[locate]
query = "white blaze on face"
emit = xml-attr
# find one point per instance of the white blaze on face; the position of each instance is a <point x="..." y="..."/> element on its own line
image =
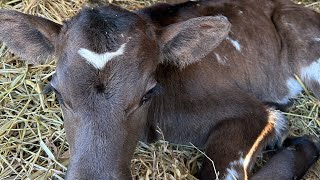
<point x="100" y="60"/>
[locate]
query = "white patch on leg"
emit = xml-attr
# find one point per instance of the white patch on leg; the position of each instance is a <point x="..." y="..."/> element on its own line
<point x="311" y="72"/>
<point x="100" y="60"/>
<point x="281" y="124"/>
<point x="232" y="174"/>
<point x="235" y="43"/>
<point x="275" y="125"/>
<point x="294" y="89"/>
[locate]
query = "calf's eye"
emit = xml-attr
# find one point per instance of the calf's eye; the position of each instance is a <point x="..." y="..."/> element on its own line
<point x="152" y="92"/>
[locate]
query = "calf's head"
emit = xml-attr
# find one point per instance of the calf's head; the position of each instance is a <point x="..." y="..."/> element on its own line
<point x="105" y="74"/>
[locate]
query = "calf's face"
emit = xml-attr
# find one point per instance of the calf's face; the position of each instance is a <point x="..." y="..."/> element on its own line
<point x="105" y="72"/>
<point x="105" y="75"/>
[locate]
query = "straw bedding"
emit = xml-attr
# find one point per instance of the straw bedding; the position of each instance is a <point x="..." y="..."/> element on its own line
<point x="32" y="138"/>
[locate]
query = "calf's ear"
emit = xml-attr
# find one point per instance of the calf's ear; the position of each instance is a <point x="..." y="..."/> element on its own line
<point x="30" y="37"/>
<point x="189" y="41"/>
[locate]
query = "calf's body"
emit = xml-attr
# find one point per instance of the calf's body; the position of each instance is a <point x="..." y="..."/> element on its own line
<point x="204" y="72"/>
<point x="267" y="39"/>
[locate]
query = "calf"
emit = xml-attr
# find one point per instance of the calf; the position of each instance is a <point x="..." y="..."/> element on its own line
<point x="201" y="71"/>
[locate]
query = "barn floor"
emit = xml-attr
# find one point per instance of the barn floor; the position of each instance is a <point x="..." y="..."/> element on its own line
<point x="32" y="138"/>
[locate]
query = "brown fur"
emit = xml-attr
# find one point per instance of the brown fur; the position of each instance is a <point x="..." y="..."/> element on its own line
<point x="172" y="75"/>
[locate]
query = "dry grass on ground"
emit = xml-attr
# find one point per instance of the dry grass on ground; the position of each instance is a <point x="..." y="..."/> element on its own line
<point x="32" y="138"/>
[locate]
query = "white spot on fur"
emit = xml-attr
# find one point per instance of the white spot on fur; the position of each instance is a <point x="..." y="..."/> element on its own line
<point x="100" y="60"/>
<point x="294" y="88"/>
<point x="317" y="39"/>
<point x="311" y="72"/>
<point x="238" y="162"/>
<point x="281" y="124"/>
<point x="277" y="125"/>
<point x="232" y="174"/>
<point x="220" y="60"/>
<point x="235" y="43"/>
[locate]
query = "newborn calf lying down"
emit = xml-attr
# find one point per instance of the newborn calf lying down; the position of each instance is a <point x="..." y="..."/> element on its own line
<point x="212" y="73"/>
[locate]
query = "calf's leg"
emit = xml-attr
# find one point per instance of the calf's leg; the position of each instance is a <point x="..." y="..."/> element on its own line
<point x="234" y="143"/>
<point x="292" y="161"/>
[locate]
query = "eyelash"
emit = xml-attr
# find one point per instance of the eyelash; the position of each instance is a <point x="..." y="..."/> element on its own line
<point x="151" y="93"/>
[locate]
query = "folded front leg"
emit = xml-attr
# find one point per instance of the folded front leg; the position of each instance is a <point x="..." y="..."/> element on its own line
<point x="234" y="143"/>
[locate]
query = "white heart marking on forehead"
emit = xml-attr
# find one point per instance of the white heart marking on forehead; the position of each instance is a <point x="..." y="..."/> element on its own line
<point x="100" y="60"/>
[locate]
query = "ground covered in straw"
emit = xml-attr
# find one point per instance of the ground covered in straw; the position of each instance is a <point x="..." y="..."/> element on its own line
<point x="32" y="138"/>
